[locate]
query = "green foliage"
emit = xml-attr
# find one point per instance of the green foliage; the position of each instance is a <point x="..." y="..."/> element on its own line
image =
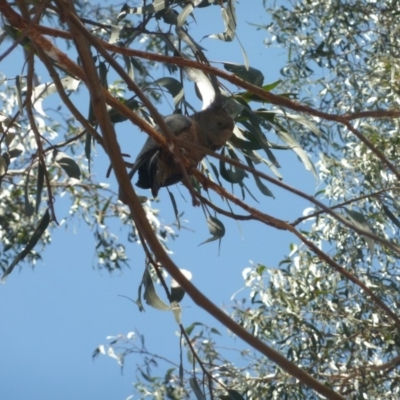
<point x="331" y="306"/>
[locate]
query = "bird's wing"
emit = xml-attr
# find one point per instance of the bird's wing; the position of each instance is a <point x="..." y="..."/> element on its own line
<point x="176" y="123"/>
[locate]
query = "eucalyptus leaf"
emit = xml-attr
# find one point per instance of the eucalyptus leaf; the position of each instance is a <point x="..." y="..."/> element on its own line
<point x="174" y="87"/>
<point x="183" y="15"/>
<point x="248" y="96"/>
<point x="295" y="146"/>
<point x="177" y="292"/>
<point x="3" y="166"/>
<point x="18" y="86"/>
<point x="69" y="165"/>
<point x="150" y="295"/>
<point x="116" y="117"/>
<point x="248" y="74"/>
<point x="39" y="186"/>
<point x="40" y="92"/>
<point x="29" y="208"/>
<point x="196" y="389"/>
<point x="229" y="19"/>
<point x="216" y="228"/>
<point x="177" y="311"/>
<point x="390" y="215"/>
<point x="37" y="234"/>
<point x="103" y="71"/>
<point x="229" y="172"/>
<point x="360" y="222"/>
<point x="234" y="395"/>
<point x="263" y="188"/>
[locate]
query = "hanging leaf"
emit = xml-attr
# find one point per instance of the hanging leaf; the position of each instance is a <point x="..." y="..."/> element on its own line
<point x="40" y="92"/>
<point x="103" y="71"/>
<point x="175" y="207"/>
<point x="156" y="5"/>
<point x="3" y="166"/>
<point x="187" y="10"/>
<point x="216" y="228"/>
<point x="232" y="395"/>
<point x="115" y="33"/>
<point x="244" y="144"/>
<point x="150" y="295"/>
<point x="360" y="222"/>
<point x="18" y="85"/>
<point x="263" y="189"/>
<point x="116" y="117"/>
<point x="29" y="209"/>
<point x="295" y="146"/>
<point x="196" y="389"/>
<point x="299" y="119"/>
<point x="39" y="186"/>
<point x="173" y="86"/>
<point x="230" y="172"/>
<point x="247" y="96"/>
<point x="16" y="151"/>
<point x="204" y="88"/>
<point x="40" y="229"/>
<point x="67" y="164"/>
<point x="177" y="292"/>
<point x="250" y="74"/>
<point x="229" y="19"/>
<point x="129" y="66"/>
<point x="88" y="147"/>
<point x="390" y="215"/>
<point x="177" y="311"/>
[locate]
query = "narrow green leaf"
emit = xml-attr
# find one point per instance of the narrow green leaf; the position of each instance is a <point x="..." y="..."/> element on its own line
<point x="177" y="311"/>
<point x="177" y="292"/>
<point x="229" y="19"/>
<point x="216" y="228"/>
<point x="116" y="117"/>
<point x="46" y="89"/>
<point x="175" y="207"/>
<point x="103" y="71"/>
<point x="29" y="209"/>
<point x="295" y="146"/>
<point x="360" y="222"/>
<point x="3" y="166"/>
<point x="263" y="189"/>
<point x="69" y="165"/>
<point x="247" y="96"/>
<point x="183" y="15"/>
<point x="249" y="74"/>
<point x="229" y="172"/>
<point x="129" y="66"/>
<point x="196" y="389"/>
<point x="155" y="6"/>
<point x="150" y="295"/>
<point x="390" y="215"/>
<point x="40" y="229"/>
<point x="173" y="86"/>
<point x="234" y="395"/>
<point x="39" y="186"/>
<point x="18" y="85"/>
<point x="115" y="33"/>
<point x="88" y="147"/>
<point x="16" y="151"/>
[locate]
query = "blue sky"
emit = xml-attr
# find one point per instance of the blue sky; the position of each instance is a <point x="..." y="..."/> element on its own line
<point x="55" y="315"/>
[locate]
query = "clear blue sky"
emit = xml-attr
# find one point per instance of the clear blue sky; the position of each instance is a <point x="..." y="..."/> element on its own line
<point x="53" y="317"/>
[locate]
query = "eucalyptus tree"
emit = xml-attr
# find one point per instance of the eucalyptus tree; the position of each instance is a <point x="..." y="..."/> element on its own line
<point x="324" y="322"/>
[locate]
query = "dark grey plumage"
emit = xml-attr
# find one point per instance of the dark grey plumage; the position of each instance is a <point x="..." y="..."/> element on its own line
<point x="156" y="166"/>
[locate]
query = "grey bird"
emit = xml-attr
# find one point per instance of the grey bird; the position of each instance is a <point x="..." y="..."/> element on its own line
<point x="156" y="166"/>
